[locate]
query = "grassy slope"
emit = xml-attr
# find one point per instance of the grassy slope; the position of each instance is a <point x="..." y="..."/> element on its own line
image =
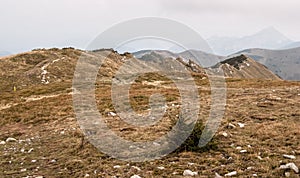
<point x="270" y="110"/>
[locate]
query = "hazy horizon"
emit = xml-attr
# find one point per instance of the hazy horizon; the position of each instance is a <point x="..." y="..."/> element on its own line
<point x="44" y="24"/>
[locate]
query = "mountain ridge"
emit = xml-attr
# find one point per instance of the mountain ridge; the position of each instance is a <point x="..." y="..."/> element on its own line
<point x="283" y="62"/>
<point x="268" y="38"/>
<point x="243" y="66"/>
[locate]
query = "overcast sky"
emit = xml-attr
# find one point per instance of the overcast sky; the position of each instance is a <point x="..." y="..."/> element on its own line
<point x="28" y="24"/>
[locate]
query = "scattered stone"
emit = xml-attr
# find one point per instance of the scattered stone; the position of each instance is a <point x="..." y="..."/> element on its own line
<point x="191" y="164"/>
<point x="39" y="177"/>
<point x="238" y="148"/>
<point x="289" y="156"/>
<point x="53" y="161"/>
<point x="277" y="98"/>
<point x="29" y="151"/>
<point x="254" y="175"/>
<point x="117" y="167"/>
<point x="234" y="173"/>
<point x="135" y="176"/>
<point x="218" y="175"/>
<point x="135" y="167"/>
<point x="291" y="166"/>
<point x="11" y="140"/>
<point x="87" y="175"/>
<point x="243" y="151"/>
<point x="112" y="114"/>
<point x="249" y="168"/>
<point x="161" y="168"/>
<point x="287" y="174"/>
<point x="189" y="173"/>
<point x="22" y="150"/>
<point x="260" y="158"/>
<point x="34" y="161"/>
<point x="231" y="126"/>
<point x="241" y="125"/>
<point x="249" y="146"/>
<point x="156" y="144"/>
<point x="2" y="143"/>
<point x="225" y="134"/>
<point x="23" y="170"/>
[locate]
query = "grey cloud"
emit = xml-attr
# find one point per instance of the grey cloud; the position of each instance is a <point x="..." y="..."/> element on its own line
<point x="29" y="24"/>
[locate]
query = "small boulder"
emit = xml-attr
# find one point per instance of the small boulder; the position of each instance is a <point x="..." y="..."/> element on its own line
<point x="135" y="176"/>
<point x="117" y="167"/>
<point x="234" y="173"/>
<point x="11" y="139"/>
<point x="231" y="126"/>
<point x="2" y="142"/>
<point x="291" y="166"/>
<point x="137" y="168"/>
<point x="189" y="173"/>
<point x="218" y="175"/>
<point x="161" y="168"/>
<point x="112" y="114"/>
<point x="289" y="156"/>
<point x="241" y="125"/>
<point x="225" y="134"/>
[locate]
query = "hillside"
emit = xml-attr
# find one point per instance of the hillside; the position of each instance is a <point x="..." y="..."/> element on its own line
<point x="291" y="45"/>
<point x="203" y="59"/>
<point x="284" y="63"/>
<point x="37" y="67"/>
<point x="245" y="67"/>
<point x="40" y="135"/>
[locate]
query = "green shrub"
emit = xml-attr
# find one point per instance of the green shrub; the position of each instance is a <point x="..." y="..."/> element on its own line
<point x="192" y="142"/>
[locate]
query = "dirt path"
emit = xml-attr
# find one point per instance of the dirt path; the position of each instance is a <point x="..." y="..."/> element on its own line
<point x="30" y="99"/>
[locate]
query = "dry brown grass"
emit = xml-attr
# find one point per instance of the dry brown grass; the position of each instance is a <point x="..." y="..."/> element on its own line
<point x="49" y="127"/>
<point x="271" y="131"/>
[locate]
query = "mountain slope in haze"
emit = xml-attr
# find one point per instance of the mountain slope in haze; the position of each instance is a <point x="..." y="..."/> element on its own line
<point x="148" y="54"/>
<point x="291" y="45"/>
<point x="205" y="59"/>
<point x="245" y="67"/>
<point x="4" y="53"/>
<point x="202" y="58"/>
<point x="284" y="63"/>
<point x="268" y="38"/>
<point x="237" y="67"/>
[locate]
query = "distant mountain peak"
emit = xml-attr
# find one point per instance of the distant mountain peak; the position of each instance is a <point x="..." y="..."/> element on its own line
<point x="268" y="38"/>
<point x="269" y="29"/>
<point x="273" y="32"/>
